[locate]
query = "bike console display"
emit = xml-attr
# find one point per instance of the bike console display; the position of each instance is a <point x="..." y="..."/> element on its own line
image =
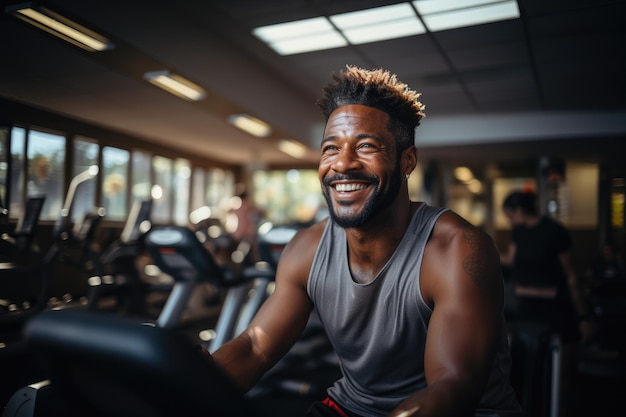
<point x="177" y="251"/>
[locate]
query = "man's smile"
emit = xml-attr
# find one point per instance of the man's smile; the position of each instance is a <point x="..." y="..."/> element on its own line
<point x="343" y="187"/>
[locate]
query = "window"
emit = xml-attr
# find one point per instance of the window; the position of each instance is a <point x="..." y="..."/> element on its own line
<point x="114" y="182"/>
<point x="85" y="156"/>
<point x="46" y="159"/>
<point x="18" y="158"/>
<point x="45" y="163"/>
<point x="220" y="186"/>
<point x="141" y="179"/>
<point x="182" y="182"/>
<point x="162" y="193"/>
<point x="198" y="197"/>
<point x="287" y="197"/>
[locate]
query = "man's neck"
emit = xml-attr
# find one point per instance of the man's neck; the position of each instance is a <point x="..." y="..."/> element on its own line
<point x="370" y="247"/>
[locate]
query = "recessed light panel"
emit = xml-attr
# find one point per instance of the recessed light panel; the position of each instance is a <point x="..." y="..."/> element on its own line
<point x="301" y="36"/>
<point x="447" y="14"/>
<point x="380" y="23"/>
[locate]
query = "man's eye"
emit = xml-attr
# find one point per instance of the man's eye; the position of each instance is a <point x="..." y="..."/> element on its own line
<point x="366" y="146"/>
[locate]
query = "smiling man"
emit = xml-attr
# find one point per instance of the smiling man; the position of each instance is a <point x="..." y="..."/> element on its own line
<point x="410" y="295"/>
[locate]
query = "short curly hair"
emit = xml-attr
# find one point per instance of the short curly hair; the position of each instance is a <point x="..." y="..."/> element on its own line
<point x="379" y="89"/>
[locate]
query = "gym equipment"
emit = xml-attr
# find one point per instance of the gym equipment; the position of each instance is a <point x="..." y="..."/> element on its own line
<point x="30" y="269"/>
<point x="84" y="349"/>
<point x="19" y="259"/>
<point x="4" y="214"/>
<point x="17" y="246"/>
<point x="245" y="295"/>
<point x="248" y="290"/>
<point x="68" y="236"/>
<point x="150" y="370"/>
<point x="28" y="289"/>
<point x="114" y="273"/>
<point x="539" y="358"/>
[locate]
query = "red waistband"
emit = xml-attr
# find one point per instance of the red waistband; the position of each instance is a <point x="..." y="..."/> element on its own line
<point x="330" y="403"/>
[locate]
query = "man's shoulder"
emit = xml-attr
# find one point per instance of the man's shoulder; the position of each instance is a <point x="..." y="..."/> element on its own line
<point x="305" y="241"/>
<point x="452" y="229"/>
<point x="313" y="232"/>
<point x="450" y="224"/>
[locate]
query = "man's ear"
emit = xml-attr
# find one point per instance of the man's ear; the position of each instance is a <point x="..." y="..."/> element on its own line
<point x="409" y="160"/>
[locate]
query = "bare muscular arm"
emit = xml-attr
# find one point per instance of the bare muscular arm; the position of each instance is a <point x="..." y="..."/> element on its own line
<point x="462" y="282"/>
<point x="280" y="320"/>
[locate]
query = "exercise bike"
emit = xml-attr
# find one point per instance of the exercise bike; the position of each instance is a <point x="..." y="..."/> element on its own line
<point x="248" y="289"/>
<point x="18" y="246"/>
<point x="114" y="275"/>
<point x="82" y="349"/>
<point x="104" y="365"/>
<point x="31" y="287"/>
<point x="20" y="260"/>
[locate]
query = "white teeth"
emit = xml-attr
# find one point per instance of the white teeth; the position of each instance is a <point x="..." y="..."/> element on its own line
<point x="349" y="187"/>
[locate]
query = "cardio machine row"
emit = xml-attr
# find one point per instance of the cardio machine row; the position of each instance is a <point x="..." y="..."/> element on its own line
<point x="177" y="252"/>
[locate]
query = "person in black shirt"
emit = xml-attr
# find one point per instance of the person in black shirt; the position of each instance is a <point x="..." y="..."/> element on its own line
<point x="544" y="282"/>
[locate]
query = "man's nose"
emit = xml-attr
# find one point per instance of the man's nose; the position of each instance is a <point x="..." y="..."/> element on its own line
<point x="346" y="160"/>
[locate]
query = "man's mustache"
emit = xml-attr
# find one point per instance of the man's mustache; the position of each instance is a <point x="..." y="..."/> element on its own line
<point x="350" y="177"/>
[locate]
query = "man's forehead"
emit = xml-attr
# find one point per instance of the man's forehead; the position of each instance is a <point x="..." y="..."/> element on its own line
<point x="350" y="115"/>
<point x="358" y="109"/>
<point x="357" y="121"/>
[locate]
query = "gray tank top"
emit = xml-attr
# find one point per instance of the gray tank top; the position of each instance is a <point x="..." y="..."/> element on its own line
<point x="378" y="330"/>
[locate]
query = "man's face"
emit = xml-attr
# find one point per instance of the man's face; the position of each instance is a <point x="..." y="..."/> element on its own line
<point x="515" y="216"/>
<point x="359" y="168"/>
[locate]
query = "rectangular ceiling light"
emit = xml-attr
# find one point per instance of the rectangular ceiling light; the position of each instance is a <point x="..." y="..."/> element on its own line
<point x="301" y="36"/>
<point x="60" y="26"/>
<point x="251" y="125"/>
<point x="293" y="148"/>
<point x="451" y="14"/>
<point x="380" y="23"/>
<point x="175" y="84"/>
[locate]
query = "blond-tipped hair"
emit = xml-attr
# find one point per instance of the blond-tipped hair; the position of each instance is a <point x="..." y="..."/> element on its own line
<point x="380" y="89"/>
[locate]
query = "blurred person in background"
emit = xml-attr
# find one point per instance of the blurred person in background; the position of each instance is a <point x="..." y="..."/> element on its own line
<point x="545" y="285"/>
<point x="242" y="222"/>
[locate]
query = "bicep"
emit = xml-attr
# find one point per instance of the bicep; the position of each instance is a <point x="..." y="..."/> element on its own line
<point x="460" y="343"/>
<point x="467" y="297"/>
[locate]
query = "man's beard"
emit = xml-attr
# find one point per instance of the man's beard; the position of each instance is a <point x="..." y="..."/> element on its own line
<point x="373" y="206"/>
